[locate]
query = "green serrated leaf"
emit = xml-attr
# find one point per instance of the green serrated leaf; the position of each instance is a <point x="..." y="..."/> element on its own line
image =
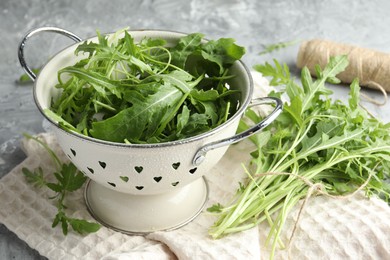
<point x="354" y="97"/>
<point x="98" y="81"/>
<point x="56" y="118"/>
<point x="54" y="187"/>
<point x="36" y="177"/>
<point x="306" y="80"/>
<point x="56" y="220"/>
<point x="334" y="67"/>
<point x="215" y="208"/>
<point x="143" y="117"/>
<point x="185" y="47"/>
<point x="64" y="226"/>
<point x="333" y="80"/>
<point x="201" y="95"/>
<point x="280" y="74"/>
<point x="277" y="46"/>
<point x="82" y="226"/>
<point x="26" y="78"/>
<point x="223" y="52"/>
<point x="72" y="179"/>
<point x="295" y="109"/>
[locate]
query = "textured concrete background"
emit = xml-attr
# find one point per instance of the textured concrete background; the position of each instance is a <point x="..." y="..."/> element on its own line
<point x="254" y="24"/>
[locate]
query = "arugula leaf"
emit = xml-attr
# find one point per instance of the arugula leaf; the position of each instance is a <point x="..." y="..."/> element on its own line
<point x="201" y="95"/>
<point x="36" y="177"/>
<point x="186" y="46"/>
<point x="98" y="81"/>
<point x="182" y="119"/>
<point x="82" y="226"/>
<point x="142" y="118"/>
<point x="277" y="46"/>
<point x="87" y="47"/>
<point x="64" y="124"/>
<point x="280" y="74"/>
<point x="195" y="123"/>
<point x="215" y="208"/>
<point x="335" y="66"/>
<point x="354" y="95"/>
<point x="26" y="78"/>
<point x="70" y="178"/>
<point x="222" y="52"/>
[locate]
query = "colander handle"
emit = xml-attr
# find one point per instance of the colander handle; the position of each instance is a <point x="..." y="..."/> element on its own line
<point x="22" y="44"/>
<point x="201" y="153"/>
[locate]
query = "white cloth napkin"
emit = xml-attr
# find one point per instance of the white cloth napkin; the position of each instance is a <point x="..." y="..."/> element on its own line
<point x="355" y="228"/>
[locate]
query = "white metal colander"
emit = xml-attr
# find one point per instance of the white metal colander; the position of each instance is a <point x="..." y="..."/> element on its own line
<point x="131" y="184"/>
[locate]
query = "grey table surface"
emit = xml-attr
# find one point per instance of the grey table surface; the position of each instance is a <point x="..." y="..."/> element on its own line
<point x="253" y="23"/>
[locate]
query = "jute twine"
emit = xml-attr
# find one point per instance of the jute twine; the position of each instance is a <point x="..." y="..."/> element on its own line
<point x="371" y="67"/>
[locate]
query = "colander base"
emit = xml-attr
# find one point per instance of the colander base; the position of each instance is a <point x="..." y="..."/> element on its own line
<point x="142" y="214"/>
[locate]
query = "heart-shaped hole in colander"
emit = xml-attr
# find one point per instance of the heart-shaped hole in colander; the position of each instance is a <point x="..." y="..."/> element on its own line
<point x="138" y="169"/>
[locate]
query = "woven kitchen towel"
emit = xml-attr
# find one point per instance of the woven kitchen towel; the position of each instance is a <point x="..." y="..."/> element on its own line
<point x="356" y="228"/>
<point x="353" y="228"/>
<point x="28" y="212"/>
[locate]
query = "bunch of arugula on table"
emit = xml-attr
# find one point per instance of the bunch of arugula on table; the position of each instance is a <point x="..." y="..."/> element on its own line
<point x="316" y="142"/>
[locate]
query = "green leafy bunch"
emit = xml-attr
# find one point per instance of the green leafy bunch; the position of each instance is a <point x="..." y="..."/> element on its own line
<point x="67" y="179"/>
<point x="315" y="141"/>
<point x="147" y="91"/>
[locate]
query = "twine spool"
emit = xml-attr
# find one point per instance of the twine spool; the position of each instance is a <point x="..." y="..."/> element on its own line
<point x="372" y="68"/>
